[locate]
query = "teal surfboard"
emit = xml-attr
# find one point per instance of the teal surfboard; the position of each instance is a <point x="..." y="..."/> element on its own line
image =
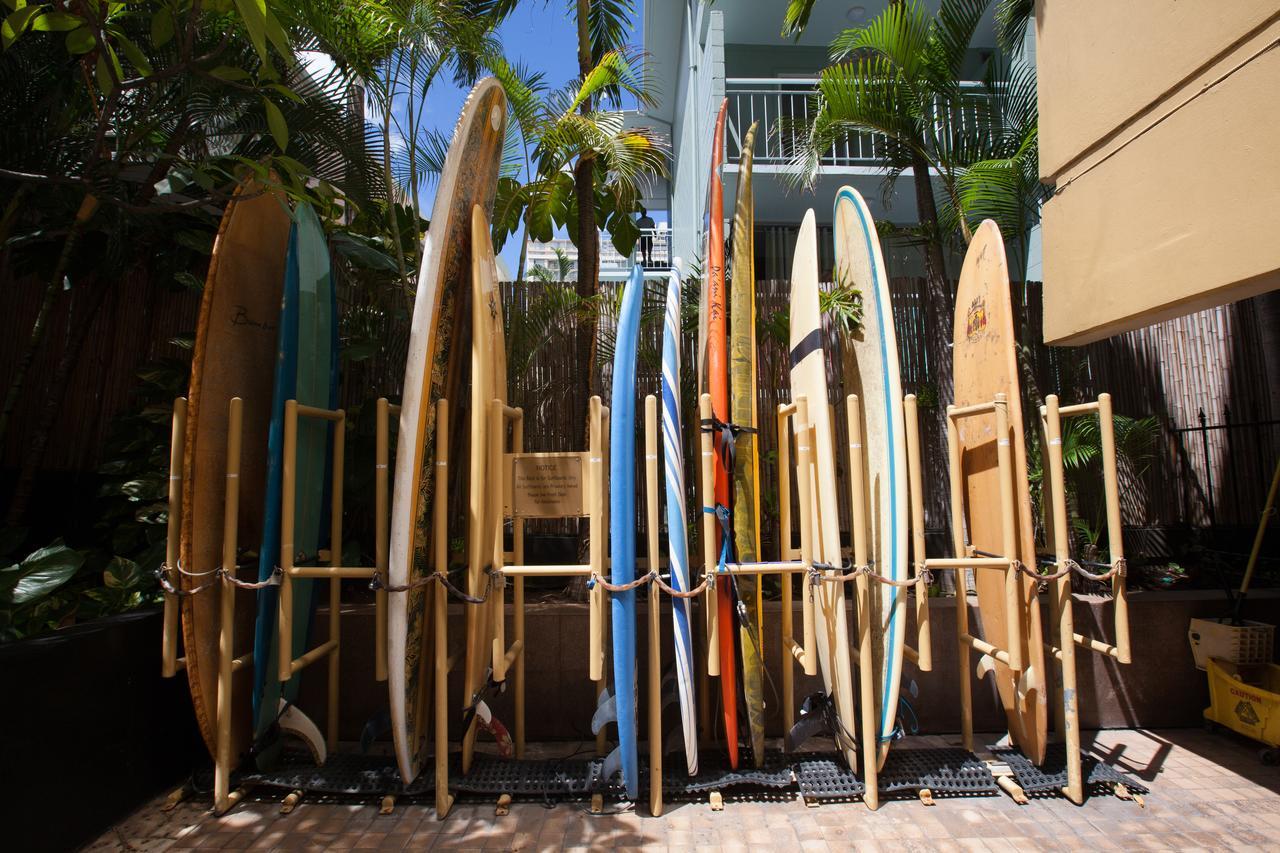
<point x="306" y="371"/>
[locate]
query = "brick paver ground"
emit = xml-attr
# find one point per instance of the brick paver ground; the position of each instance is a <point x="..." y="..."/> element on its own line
<point x="1208" y="792"/>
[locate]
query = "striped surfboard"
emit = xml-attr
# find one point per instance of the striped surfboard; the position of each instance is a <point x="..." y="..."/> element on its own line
<point x="677" y="545"/>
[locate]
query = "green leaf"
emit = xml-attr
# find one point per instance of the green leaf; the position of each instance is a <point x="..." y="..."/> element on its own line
<point x="56" y="22"/>
<point x="276" y="122"/>
<point x="287" y="92"/>
<point x="121" y="573"/>
<point x="254" y="15"/>
<point x="362" y="252"/>
<point x="136" y="57"/>
<point x="81" y="41"/>
<point x="624" y="233"/>
<point x="231" y="73"/>
<point x="102" y="73"/>
<point x="40" y="573"/>
<point x="16" y="24"/>
<point x="161" y="27"/>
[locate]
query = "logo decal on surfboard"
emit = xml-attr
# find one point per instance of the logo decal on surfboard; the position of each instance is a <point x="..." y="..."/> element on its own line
<point x="976" y="324"/>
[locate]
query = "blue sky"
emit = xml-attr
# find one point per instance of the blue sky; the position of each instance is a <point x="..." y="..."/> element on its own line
<point x="539" y="34"/>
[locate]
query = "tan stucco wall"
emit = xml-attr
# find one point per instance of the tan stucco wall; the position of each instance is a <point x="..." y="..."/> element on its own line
<point x="1160" y="126"/>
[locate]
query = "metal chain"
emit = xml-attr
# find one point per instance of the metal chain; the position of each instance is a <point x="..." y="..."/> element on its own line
<point x="708" y="582"/>
<point x="219" y="574"/>
<point x="623" y="587"/>
<point x="492" y="577"/>
<point x="1118" y="569"/>
<point x="816" y="575"/>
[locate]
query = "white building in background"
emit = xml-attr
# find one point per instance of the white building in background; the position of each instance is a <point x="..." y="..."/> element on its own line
<point x="613" y="264"/>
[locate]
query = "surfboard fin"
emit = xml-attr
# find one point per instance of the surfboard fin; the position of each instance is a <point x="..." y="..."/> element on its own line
<point x="293" y="722"/>
<point x="375" y="727"/>
<point x="986" y="664"/>
<point x="814" y="719"/>
<point x="612" y="764"/>
<point x="1028" y="682"/>
<point x="606" y="712"/>
<point x="913" y="689"/>
<point x="491" y="724"/>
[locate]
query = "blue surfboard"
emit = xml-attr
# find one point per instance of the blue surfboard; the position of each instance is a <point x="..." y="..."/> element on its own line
<point x="677" y="544"/>
<point x="307" y="371"/>
<point x="622" y="528"/>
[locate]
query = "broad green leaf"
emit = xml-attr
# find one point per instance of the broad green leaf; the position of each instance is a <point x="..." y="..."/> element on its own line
<point x="135" y="56"/>
<point x="287" y="92"/>
<point x="254" y="15"/>
<point x="103" y="74"/>
<point x="228" y="72"/>
<point x="121" y="573"/>
<point x="161" y="27"/>
<point x="276" y="122"/>
<point x="279" y="38"/>
<point x="363" y="253"/>
<point x="56" y="22"/>
<point x="41" y="573"/>
<point x="623" y="231"/>
<point x="14" y="5"/>
<point x="15" y="24"/>
<point x="81" y="41"/>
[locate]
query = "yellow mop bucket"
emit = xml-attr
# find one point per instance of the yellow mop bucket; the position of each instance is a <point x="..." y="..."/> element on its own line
<point x="1246" y="699"/>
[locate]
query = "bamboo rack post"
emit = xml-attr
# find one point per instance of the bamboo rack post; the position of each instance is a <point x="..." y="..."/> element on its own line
<point x="1066" y="709"/>
<point x="962" y="579"/>
<point x="443" y="663"/>
<point x="805" y="486"/>
<point x="709" y="556"/>
<point x="655" y="641"/>
<point x="382" y="460"/>
<point x="785" y="553"/>
<point x="595" y="495"/>
<point x="335" y="582"/>
<point x="517" y="585"/>
<point x="1115" y="527"/>
<point x="288" y="502"/>
<point x="604" y="568"/>
<point x="924" y="635"/>
<point x="497" y="593"/>
<point x="871" y="748"/>
<point x="170" y="663"/>
<point x="1009" y="528"/>
<point x="227" y="664"/>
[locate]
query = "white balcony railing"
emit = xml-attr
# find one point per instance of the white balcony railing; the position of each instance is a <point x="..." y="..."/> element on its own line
<point x="784" y="107"/>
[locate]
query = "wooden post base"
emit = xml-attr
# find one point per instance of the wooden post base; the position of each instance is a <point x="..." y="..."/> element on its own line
<point x="290" y="802"/>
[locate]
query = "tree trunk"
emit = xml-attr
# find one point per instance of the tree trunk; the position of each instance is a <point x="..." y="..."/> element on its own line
<point x="938" y="321"/>
<point x="55" y="390"/>
<point x="588" y="269"/>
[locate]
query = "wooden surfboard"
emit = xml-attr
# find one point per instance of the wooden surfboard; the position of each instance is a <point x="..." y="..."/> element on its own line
<point x="233" y="356"/>
<point x="876" y="381"/>
<point x="469" y="178"/>
<point x="809" y="380"/>
<point x="718" y="381"/>
<point x="622" y="530"/>
<point x="306" y="371"/>
<point x="746" y="474"/>
<point x="677" y="519"/>
<point x="986" y="364"/>
<point x="484" y="513"/>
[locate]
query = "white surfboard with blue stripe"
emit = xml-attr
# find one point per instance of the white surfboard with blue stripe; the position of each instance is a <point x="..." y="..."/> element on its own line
<point x="677" y="544"/>
<point x="878" y="384"/>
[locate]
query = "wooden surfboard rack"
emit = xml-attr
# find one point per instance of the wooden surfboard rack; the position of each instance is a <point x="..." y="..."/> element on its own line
<point x="1066" y="709"/>
<point x="505" y="504"/>
<point x="228" y="663"/>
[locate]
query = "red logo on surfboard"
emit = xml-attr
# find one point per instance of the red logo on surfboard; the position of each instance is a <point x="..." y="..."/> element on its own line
<point x="976" y="323"/>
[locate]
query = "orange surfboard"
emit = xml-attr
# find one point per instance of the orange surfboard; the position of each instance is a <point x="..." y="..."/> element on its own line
<point x="718" y="380"/>
<point x="986" y="364"/>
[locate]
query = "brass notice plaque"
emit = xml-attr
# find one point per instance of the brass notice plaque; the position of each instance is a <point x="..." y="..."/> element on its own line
<point x="545" y="485"/>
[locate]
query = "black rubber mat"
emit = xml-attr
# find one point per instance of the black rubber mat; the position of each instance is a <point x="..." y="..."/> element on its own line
<point x="1052" y="775"/>
<point x="944" y="771"/>
<point x="717" y="775"/>
<point x="827" y="778"/>
<point x="573" y="777"/>
<point x="343" y="774"/>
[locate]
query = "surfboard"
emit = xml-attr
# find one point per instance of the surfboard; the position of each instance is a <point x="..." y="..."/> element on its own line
<point x="233" y="356"/>
<point x="986" y="364"/>
<point x="876" y="380"/>
<point x="809" y="380"/>
<point x="484" y="513"/>
<point x="718" y="381"/>
<point x="469" y="178"/>
<point x="677" y="521"/>
<point x="306" y="371"/>
<point x="746" y="474"/>
<point x="622" y="529"/>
